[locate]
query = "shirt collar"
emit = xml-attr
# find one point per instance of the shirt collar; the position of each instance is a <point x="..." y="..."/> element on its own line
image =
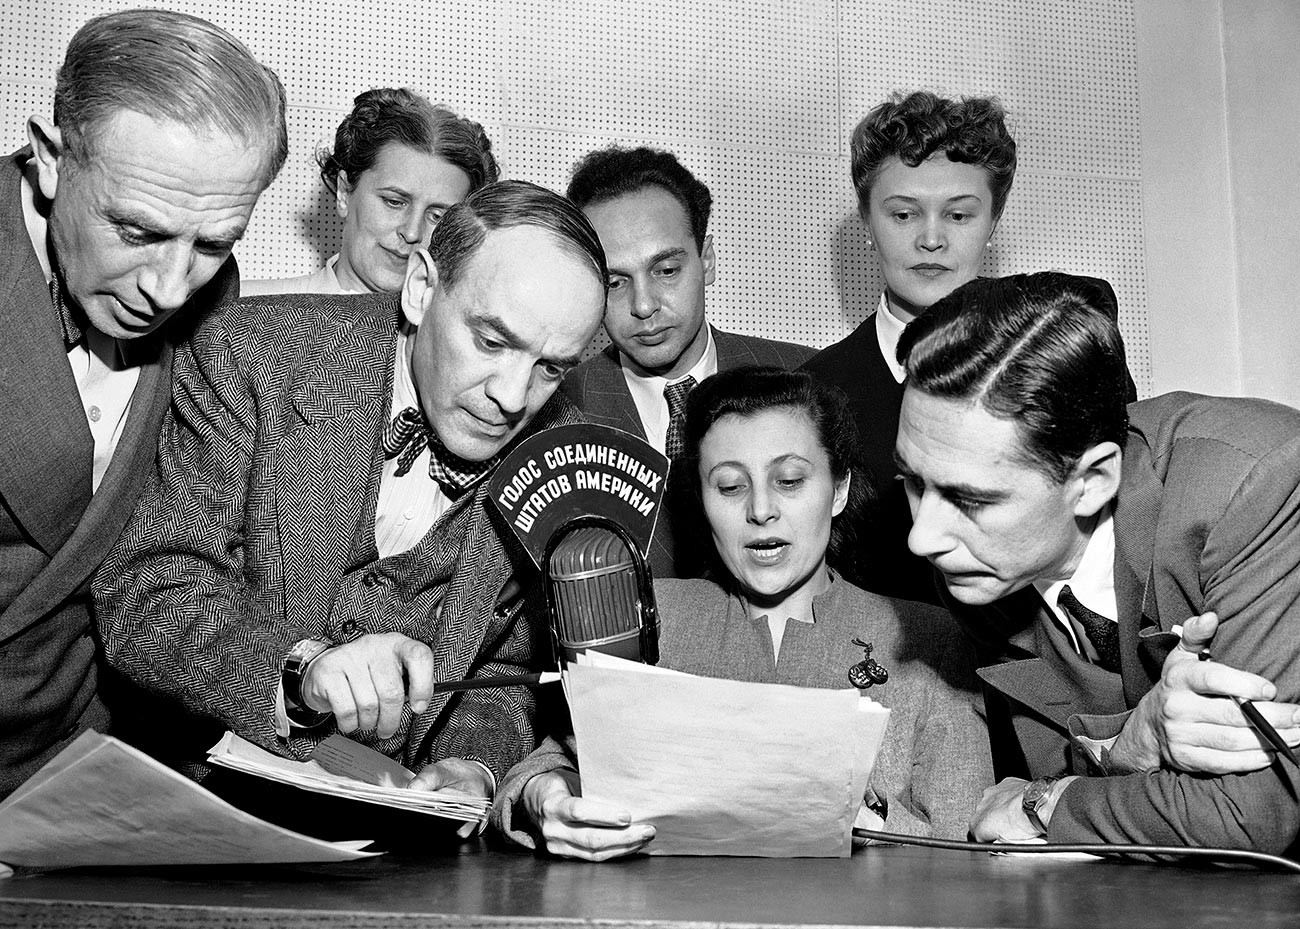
<point x="652" y="385"/>
<point x="1093" y="581"/>
<point x="889" y="329"/>
<point x="648" y="390"/>
<point x="404" y="394"/>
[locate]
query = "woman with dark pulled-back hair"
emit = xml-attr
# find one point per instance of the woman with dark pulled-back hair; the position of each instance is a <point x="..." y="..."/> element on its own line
<point x="773" y="460"/>
<point x="398" y="163"/>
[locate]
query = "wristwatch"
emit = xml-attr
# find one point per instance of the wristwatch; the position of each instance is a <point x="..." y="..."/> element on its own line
<point x="294" y="671"/>
<point x="1035" y="798"/>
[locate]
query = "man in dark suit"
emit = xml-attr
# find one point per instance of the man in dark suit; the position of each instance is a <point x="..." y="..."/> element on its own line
<point x="319" y="548"/>
<point x="1077" y="538"/>
<point x="119" y="216"/>
<point x="652" y="216"/>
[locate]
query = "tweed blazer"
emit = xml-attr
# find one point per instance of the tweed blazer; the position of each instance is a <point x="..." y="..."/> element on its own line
<point x="53" y="531"/>
<point x="261" y="522"/>
<point x="934" y="763"/>
<point x="1207" y="518"/>
<point x="599" y="390"/>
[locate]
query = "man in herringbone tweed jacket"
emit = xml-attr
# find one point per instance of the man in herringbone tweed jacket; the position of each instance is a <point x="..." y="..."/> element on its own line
<point x="293" y="568"/>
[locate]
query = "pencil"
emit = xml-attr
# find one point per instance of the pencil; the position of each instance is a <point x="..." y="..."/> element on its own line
<point x="509" y="680"/>
<point x="1256" y="719"/>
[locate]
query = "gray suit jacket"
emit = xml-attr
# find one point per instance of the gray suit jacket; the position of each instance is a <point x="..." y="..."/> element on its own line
<point x="53" y="532"/>
<point x="599" y="391"/>
<point x="1207" y="518"/>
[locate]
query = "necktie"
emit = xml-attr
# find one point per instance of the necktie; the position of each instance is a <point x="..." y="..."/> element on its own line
<point x="1102" y="633"/>
<point x="408" y="435"/>
<point x="72" y="320"/>
<point x="676" y="394"/>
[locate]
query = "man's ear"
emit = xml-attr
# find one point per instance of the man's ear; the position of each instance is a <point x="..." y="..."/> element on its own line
<point x="841" y="495"/>
<point x="419" y="286"/>
<point x="706" y="256"/>
<point x="1097" y="473"/>
<point x="47" y="145"/>
<point x="342" y="191"/>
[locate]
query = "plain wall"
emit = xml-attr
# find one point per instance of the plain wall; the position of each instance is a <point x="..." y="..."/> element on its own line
<point x="1219" y="88"/>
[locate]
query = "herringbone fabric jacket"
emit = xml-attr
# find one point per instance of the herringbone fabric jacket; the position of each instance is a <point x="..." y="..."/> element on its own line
<point x="258" y="531"/>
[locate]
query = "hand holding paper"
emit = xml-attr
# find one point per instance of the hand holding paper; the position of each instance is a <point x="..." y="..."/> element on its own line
<point x="577" y="827"/>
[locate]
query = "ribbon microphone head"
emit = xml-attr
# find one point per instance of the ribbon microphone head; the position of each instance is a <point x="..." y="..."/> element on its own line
<point x="599" y="593"/>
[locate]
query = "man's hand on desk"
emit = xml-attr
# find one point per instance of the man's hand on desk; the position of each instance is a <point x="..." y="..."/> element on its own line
<point x="457" y="776"/>
<point x="1000" y="815"/>
<point x="574" y="827"/>
<point x="1188" y="721"/>
<point x="366" y="682"/>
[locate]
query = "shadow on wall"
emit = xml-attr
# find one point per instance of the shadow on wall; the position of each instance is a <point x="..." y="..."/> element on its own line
<point x="321" y="227"/>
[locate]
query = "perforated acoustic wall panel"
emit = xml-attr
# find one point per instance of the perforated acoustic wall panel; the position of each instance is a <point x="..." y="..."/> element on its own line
<point x="758" y="97"/>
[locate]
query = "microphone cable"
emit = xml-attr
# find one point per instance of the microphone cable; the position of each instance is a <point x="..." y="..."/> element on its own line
<point x="1230" y="855"/>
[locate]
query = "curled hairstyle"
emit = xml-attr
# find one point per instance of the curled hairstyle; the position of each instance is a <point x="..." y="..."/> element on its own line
<point x="503" y="205"/>
<point x="167" y="66"/>
<point x="614" y="172"/>
<point x="1039" y="349"/>
<point x="912" y="128"/>
<point x="748" y="391"/>
<point x="403" y="117"/>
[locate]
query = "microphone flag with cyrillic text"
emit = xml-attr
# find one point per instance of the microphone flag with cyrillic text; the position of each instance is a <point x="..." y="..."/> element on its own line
<point x="559" y="474"/>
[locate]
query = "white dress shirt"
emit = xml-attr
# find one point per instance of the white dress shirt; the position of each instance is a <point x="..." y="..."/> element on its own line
<point x="408" y="505"/>
<point x="648" y="391"/>
<point x="889" y="329"/>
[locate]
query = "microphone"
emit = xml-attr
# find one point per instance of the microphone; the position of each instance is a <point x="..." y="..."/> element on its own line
<point x="599" y="593"/>
<point x="583" y="500"/>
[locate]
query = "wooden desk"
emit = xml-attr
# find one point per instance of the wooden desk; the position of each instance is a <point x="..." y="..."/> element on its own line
<point x="480" y="887"/>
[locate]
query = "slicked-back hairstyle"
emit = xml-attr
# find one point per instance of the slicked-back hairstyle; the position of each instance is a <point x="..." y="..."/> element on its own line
<point x="503" y="205"/>
<point x="915" y="126"/>
<point x="167" y="66"/>
<point x="1039" y="349"/>
<point x="401" y="116"/>
<point x="613" y="172"/>
<point x="748" y="391"/>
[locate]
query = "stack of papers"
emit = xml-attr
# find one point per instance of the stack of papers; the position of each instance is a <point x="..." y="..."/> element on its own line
<point x="340" y="767"/>
<point x="724" y="767"/>
<point x="102" y="802"/>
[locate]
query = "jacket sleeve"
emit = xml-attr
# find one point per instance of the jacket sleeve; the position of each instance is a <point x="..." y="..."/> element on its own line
<point x="951" y="763"/>
<point x="508" y="814"/>
<point x="175" y="611"/>
<point x="1249" y="573"/>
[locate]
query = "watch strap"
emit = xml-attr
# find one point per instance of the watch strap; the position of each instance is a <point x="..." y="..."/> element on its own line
<point x="293" y="673"/>
<point x="1033" y="800"/>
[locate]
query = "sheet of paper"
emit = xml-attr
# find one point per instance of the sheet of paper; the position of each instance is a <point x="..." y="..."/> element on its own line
<point x="101" y="802"/>
<point x="242" y="755"/>
<point x="724" y="767"/>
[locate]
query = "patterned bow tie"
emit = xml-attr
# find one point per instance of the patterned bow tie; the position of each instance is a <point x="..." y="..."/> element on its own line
<point x="409" y="434"/>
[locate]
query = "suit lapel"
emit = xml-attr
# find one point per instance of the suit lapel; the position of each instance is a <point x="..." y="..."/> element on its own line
<point x="1145" y="636"/>
<point x="606" y="398"/>
<point x="1057" y="683"/>
<point x="326" y="463"/>
<point x="43" y="429"/>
